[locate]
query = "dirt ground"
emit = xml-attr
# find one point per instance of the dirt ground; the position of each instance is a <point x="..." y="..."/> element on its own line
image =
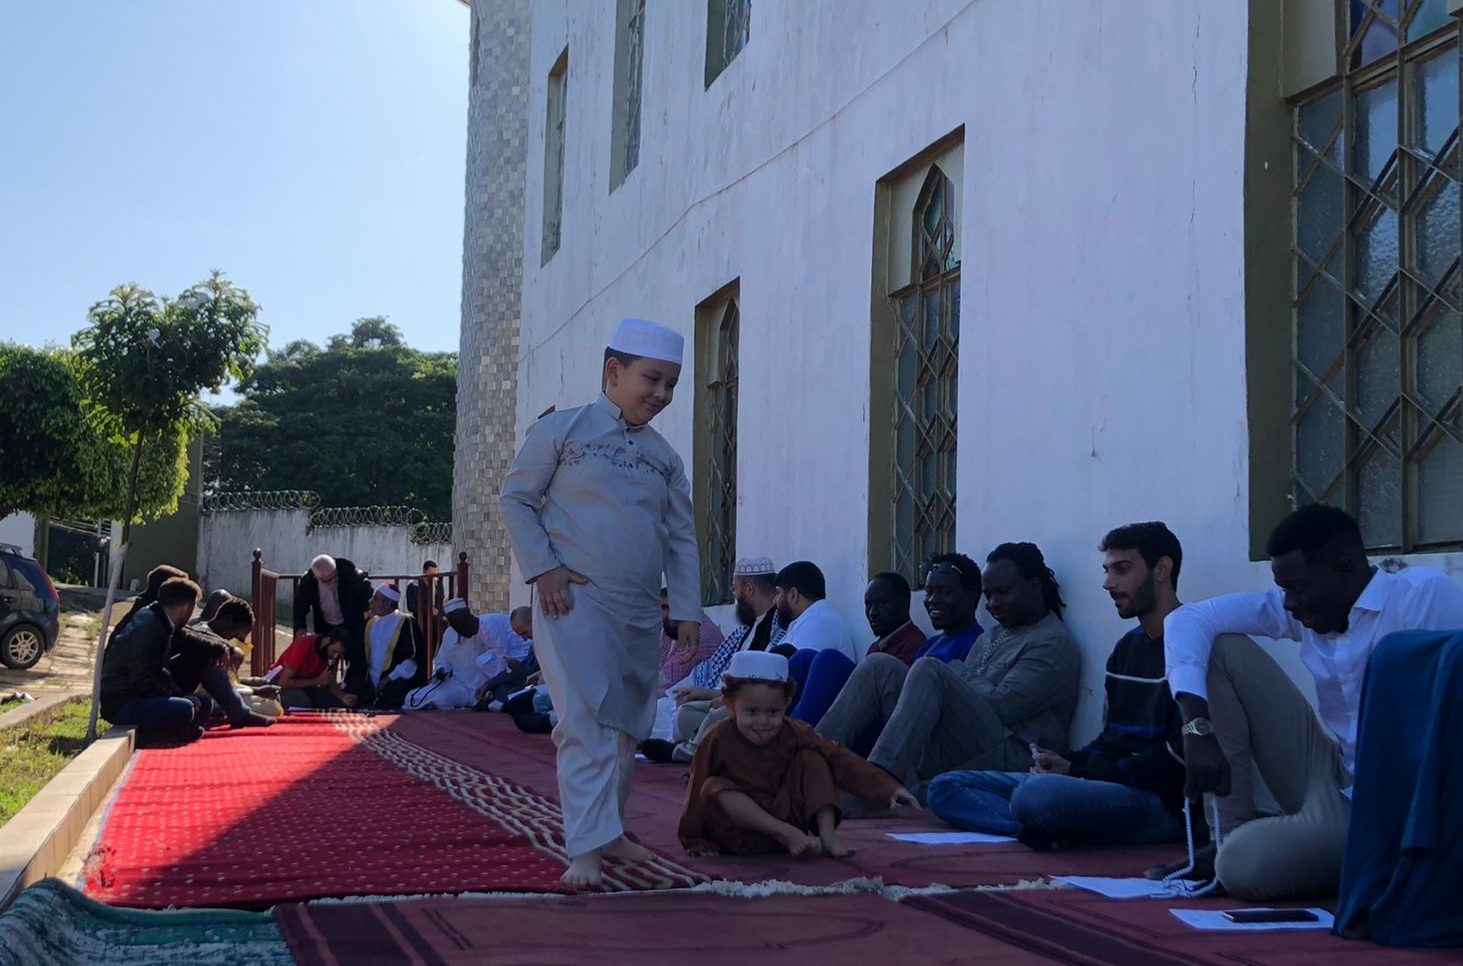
<point x="67" y="668"/>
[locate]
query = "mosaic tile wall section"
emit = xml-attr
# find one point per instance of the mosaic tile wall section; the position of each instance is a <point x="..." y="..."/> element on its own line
<point x="492" y="257"/>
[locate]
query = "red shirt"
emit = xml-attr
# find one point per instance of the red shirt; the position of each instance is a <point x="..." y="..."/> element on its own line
<point x="302" y="657"/>
<point x="903" y="643"/>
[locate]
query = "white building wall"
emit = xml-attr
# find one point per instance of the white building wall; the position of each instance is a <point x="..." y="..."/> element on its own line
<point x="1102" y="331"/>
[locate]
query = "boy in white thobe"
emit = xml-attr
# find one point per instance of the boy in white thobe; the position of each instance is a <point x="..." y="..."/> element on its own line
<point x="598" y="508"/>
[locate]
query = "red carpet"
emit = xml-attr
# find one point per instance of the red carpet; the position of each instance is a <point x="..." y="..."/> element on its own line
<point x="1071" y="926"/>
<point x="490" y="743"/>
<point x="310" y="808"/>
<point x="648" y="930"/>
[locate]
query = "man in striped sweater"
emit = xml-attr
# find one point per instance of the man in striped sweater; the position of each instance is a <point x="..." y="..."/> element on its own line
<point x="1126" y="786"/>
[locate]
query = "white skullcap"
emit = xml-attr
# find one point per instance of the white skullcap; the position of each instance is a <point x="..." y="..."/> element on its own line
<point x="754" y="566"/>
<point x="758" y="666"/>
<point x="638" y="337"/>
<point x="455" y="604"/>
<point x="390" y="592"/>
<point x="323" y="564"/>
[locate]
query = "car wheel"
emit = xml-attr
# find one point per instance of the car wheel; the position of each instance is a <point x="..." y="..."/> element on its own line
<point x="22" y="647"/>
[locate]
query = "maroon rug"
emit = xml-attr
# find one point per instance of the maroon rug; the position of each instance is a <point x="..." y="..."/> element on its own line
<point x="1076" y="927"/>
<point x="490" y="743"/>
<point x="670" y="928"/>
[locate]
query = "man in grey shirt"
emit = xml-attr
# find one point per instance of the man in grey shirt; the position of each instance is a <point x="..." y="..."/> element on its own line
<point x="1016" y="687"/>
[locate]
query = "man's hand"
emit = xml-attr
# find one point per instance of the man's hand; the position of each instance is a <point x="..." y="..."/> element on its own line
<point x="349" y="700"/>
<point x="1207" y="767"/>
<point x="685" y="695"/>
<point x="536" y="678"/>
<point x="1049" y="763"/>
<point x="902" y="796"/>
<point x="555" y="598"/>
<point x="688" y="638"/>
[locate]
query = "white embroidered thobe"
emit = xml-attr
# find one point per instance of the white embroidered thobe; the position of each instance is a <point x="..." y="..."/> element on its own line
<point x="611" y="501"/>
<point x="501" y="644"/>
<point x="460" y="656"/>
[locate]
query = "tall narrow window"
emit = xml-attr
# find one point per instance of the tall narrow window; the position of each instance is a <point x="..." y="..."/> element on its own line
<point x="1378" y="346"/>
<point x="629" y="55"/>
<point x="925" y="352"/>
<point x="718" y="330"/>
<point x="554" y="155"/>
<point x="728" y="25"/>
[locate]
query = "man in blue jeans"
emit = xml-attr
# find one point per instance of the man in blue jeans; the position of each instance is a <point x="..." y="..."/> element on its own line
<point x="138" y="688"/>
<point x="1126" y="787"/>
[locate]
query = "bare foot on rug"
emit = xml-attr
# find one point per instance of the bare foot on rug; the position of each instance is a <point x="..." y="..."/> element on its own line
<point x="584" y="872"/>
<point x="833" y="846"/>
<point x="798" y="842"/>
<point x="626" y="851"/>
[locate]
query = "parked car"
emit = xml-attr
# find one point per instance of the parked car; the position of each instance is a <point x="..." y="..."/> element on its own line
<point x="30" y="609"/>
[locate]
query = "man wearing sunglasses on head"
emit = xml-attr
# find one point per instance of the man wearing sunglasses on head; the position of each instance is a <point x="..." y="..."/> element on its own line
<point x="982" y="709"/>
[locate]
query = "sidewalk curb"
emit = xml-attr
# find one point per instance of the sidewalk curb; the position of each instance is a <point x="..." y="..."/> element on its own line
<point x="20" y="714"/>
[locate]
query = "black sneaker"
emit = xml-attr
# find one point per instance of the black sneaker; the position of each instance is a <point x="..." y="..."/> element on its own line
<point x="533" y="723"/>
<point x="252" y="720"/>
<point x="658" y="750"/>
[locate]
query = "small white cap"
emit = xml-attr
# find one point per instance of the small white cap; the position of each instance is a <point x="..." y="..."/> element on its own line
<point x="758" y="666"/>
<point x="638" y="337"/>
<point x="753" y="567"/>
<point x="390" y="592"/>
<point x="455" y="604"/>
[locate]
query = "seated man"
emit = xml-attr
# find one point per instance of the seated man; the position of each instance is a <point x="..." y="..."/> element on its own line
<point x="137" y="687"/>
<point x="308" y="672"/>
<point x="509" y="663"/>
<point x="333" y="593"/>
<point x="1126" y="787"/>
<point x="1018" y="688"/>
<point x="811" y="622"/>
<point x="198" y="649"/>
<point x="469" y="650"/>
<point x="394" y="653"/>
<point x="822" y="674"/>
<point x="697" y="700"/>
<point x="1242" y="710"/>
<point x="674" y="665"/>
<point x="155" y="579"/>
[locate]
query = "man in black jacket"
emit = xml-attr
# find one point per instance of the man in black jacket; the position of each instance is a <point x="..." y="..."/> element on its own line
<point x="335" y="594"/>
<point x="139" y="689"/>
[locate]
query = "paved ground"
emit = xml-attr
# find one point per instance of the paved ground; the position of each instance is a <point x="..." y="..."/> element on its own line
<point x="68" y="666"/>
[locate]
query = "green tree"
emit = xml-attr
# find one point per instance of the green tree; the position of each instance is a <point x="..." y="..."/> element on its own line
<point x="65" y="456"/>
<point x="146" y="359"/>
<point x="366" y="421"/>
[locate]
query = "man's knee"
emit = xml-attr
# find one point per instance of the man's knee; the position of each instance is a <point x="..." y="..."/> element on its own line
<point x="880" y="668"/>
<point x="1279" y="858"/>
<point x="1038" y="800"/>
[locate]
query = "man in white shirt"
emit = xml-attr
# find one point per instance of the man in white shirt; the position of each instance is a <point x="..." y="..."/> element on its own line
<point x="507" y="641"/>
<point x="811" y="621"/>
<point x="1241" y="710"/>
<point x="473" y="649"/>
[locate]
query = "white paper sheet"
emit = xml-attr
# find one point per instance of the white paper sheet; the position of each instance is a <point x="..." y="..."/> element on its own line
<point x="947" y="838"/>
<point x="1212" y="920"/>
<point x="1131" y="888"/>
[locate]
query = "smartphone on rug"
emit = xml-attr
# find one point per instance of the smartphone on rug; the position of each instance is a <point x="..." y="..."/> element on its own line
<point x="1269" y="915"/>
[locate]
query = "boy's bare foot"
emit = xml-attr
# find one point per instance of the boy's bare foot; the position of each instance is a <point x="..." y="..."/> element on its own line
<point x="833" y="846"/>
<point x="584" y="872"/>
<point x="626" y="851"/>
<point x="798" y="842"/>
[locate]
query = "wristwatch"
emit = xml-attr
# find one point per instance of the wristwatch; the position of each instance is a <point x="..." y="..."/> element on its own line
<point x="1198" y="727"/>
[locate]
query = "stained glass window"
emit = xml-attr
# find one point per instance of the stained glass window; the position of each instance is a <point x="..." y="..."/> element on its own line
<point x="718" y="523"/>
<point x="926" y="352"/>
<point x="1378" y="341"/>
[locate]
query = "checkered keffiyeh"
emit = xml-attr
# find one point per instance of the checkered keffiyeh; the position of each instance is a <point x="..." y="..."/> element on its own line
<point x="708" y="673"/>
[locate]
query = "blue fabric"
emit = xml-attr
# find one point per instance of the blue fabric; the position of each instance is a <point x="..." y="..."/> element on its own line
<point x="820" y="676"/>
<point x="1059" y="808"/>
<point x="951" y="647"/>
<point x="163" y="717"/>
<point x="1403" y="871"/>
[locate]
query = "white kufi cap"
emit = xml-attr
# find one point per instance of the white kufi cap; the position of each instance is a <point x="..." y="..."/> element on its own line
<point x="390" y="592"/>
<point x="758" y="665"/>
<point x="754" y="566"/>
<point x="638" y="337"/>
<point x="455" y="604"/>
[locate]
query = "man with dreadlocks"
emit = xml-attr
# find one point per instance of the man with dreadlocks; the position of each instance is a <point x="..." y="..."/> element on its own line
<point x="1017" y="686"/>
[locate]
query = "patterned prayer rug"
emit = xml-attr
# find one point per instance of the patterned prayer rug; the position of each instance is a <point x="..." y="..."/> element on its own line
<point x="51" y="924"/>
<point x="328" y="805"/>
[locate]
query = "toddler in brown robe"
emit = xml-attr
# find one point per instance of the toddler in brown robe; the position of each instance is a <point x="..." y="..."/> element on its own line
<point x="763" y="783"/>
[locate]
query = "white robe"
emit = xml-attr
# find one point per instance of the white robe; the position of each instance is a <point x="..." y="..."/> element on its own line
<point x="458" y="655"/>
<point x="612" y="502"/>
<point x="501" y="644"/>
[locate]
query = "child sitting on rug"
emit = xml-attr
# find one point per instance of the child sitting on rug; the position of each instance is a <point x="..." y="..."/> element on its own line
<point x="762" y="782"/>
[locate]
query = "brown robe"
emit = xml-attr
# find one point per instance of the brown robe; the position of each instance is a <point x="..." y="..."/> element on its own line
<point x="792" y="777"/>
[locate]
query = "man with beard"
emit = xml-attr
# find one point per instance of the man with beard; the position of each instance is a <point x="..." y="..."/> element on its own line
<point x="812" y="623"/>
<point x="1126" y="787"/>
<point x="1241" y="710"/>
<point x="697" y="699"/>
<point x="1017" y="688"/>
<point x="675" y="664"/>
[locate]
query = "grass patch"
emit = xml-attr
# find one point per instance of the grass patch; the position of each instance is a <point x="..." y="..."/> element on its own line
<point x="32" y="753"/>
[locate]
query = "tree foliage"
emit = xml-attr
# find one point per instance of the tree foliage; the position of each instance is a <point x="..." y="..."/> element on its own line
<point x="366" y="421"/>
<point x="63" y="455"/>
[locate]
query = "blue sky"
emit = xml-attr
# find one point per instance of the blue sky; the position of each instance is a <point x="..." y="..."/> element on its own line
<point x="312" y="149"/>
